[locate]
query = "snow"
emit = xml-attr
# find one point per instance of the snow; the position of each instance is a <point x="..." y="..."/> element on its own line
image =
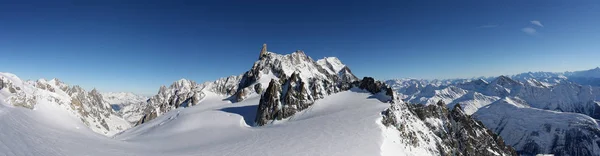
<point x="520" y="107"/>
<point x="123" y="97"/>
<point x="346" y="123"/>
<point x="331" y="64"/>
<point x="516" y="123"/>
<point x="41" y="93"/>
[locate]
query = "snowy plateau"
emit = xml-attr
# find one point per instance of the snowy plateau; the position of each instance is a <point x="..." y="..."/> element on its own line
<point x="293" y="105"/>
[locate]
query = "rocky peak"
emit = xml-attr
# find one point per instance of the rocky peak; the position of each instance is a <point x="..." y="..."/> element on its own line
<point x="43" y="84"/>
<point x="76" y="89"/>
<point x="457" y="110"/>
<point x="95" y="92"/>
<point x="505" y="81"/>
<point x="182" y="93"/>
<point x="479" y="82"/>
<point x="162" y="89"/>
<point x="263" y="51"/>
<point x="183" y="84"/>
<point x="280" y="66"/>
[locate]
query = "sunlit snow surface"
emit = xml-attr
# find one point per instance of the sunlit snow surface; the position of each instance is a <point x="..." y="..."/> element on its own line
<point x="346" y="123"/>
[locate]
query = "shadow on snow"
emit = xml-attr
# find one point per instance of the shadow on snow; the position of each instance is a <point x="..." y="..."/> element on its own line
<point x="247" y="112"/>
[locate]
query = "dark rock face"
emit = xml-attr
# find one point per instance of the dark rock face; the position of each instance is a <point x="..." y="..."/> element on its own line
<point x="459" y="133"/>
<point x="282" y="101"/>
<point x="369" y="84"/>
<point x="258" y="88"/>
<point x="269" y="107"/>
<point x="294" y="95"/>
<point x="146" y="118"/>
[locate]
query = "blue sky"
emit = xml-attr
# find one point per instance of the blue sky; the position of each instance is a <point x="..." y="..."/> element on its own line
<point x="137" y="46"/>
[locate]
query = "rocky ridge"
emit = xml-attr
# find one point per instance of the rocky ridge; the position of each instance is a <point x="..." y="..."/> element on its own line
<point x="90" y="107"/>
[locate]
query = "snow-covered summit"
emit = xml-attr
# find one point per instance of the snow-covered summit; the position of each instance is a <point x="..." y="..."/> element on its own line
<point x="123" y="97"/>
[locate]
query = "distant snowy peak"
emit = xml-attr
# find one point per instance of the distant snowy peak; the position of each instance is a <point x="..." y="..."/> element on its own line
<point x="592" y="73"/>
<point x="545" y="79"/>
<point x="505" y="81"/>
<point x="123" y="97"/>
<point x="332" y="64"/>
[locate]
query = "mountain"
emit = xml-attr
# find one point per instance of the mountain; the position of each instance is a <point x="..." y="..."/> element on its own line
<point x="544" y="131"/>
<point x="128" y="105"/>
<point x="89" y="107"/>
<point x="284" y="105"/>
<point x="297" y="72"/>
<point x="285" y="90"/>
<point x="436" y="130"/>
<point x="122" y="98"/>
<point x="526" y="92"/>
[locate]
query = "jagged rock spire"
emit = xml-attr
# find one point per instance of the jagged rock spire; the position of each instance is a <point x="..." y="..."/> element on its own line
<point x="263" y="51"/>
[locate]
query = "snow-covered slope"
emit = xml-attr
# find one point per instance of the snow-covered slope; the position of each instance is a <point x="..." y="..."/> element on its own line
<point x="217" y="127"/>
<point x="534" y="131"/>
<point x="90" y="107"/>
<point x="346" y="123"/>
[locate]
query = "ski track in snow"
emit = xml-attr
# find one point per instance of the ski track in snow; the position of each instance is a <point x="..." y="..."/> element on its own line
<point x="345" y="123"/>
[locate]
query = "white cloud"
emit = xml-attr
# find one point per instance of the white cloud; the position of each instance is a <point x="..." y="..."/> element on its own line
<point x="529" y="30"/>
<point x="488" y="26"/>
<point x="538" y="23"/>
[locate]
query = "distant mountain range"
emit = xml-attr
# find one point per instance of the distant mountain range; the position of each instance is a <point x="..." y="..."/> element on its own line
<point x="541" y="112"/>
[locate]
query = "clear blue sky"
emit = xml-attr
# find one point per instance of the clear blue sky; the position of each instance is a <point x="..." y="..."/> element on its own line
<point x="138" y="46"/>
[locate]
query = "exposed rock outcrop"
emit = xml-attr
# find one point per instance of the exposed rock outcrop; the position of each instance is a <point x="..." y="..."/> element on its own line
<point x="443" y="132"/>
<point x="295" y="95"/>
<point x="263" y="51"/>
<point x="182" y="93"/>
<point x="270" y="105"/>
<point x="460" y="132"/>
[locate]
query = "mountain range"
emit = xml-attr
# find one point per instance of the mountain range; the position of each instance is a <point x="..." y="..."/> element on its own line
<point x="291" y="104"/>
<point x="541" y="112"/>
